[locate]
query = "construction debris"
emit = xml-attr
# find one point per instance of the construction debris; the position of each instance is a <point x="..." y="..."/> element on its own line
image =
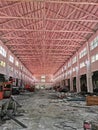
<point x="9" y="111"/>
<point x="43" y="110"/>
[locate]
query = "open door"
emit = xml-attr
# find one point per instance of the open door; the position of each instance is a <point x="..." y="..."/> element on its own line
<point x="95" y="81"/>
<point x="83" y="83"/>
<point x="74" y="84"/>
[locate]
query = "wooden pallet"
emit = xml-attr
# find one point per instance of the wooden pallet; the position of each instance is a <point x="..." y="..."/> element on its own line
<point x="91" y="100"/>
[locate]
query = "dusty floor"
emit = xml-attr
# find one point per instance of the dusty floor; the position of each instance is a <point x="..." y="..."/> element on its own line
<point x="44" y="111"/>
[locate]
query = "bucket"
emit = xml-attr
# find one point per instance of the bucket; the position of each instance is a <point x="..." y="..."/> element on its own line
<point x="87" y="125"/>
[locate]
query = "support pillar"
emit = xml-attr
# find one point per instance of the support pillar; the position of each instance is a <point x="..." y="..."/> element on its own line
<point x="7" y="64"/>
<point x="64" y="77"/>
<point x="89" y="73"/>
<point x="78" y="80"/>
<point x="71" y="80"/>
<point x="78" y="75"/>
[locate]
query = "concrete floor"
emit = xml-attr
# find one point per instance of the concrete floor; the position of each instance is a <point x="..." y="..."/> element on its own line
<point x="44" y="111"/>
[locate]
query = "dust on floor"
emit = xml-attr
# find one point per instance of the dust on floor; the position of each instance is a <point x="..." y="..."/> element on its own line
<point x="44" y="111"/>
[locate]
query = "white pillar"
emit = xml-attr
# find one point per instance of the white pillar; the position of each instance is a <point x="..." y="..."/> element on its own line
<point x="89" y="73"/>
<point x="64" y="84"/>
<point x="78" y="75"/>
<point x="71" y="81"/>
<point x="7" y="63"/>
<point x="66" y="77"/>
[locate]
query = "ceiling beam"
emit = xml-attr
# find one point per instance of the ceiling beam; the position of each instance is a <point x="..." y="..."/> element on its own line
<point x="27" y="59"/>
<point x="49" y="19"/>
<point x="45" y="49"/>
<point x="74" y="45"/>
<point x="60" y="2"/>
<point x="64" y="46"/>
<point x="57" y="31"/>
<point x="46" y="39"/>
<point x="30" y="56"/>
<point x="53" y="59"/>
<point x="25" y="53"/>
<point x="49" y="54"/>
<point x="71" y="2"/>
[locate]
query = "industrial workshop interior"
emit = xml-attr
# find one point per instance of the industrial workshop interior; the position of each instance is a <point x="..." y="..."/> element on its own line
<point x="48" y="64"/>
